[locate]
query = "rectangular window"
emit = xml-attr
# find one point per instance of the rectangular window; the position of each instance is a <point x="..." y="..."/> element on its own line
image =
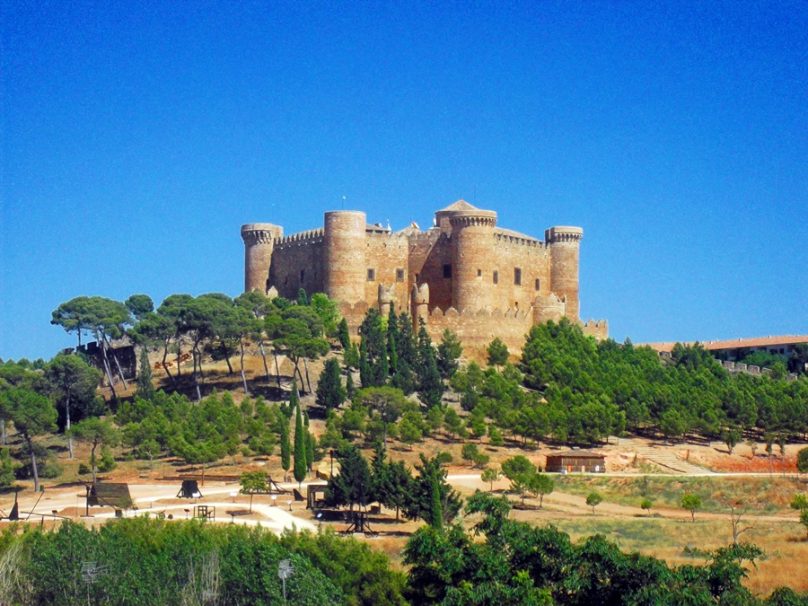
<point x="496" y="277"/>
<point x="538" y="284"/>
<point x="302" y="275"/>
<point x="399" y="275"/>
<point x="517" y="276"/>
<point x="479" y="273"/>
<point x="371" y="275"/>
<point x="447" y="271"/>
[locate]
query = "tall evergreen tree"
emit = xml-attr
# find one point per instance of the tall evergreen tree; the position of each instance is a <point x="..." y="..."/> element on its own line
<point x="330" y="392"/>
<point x="301" y="464"/>
<point x="145" y="389"/>
<point x="449" y="352"/>
<point x="373" y="367"/>
<point x="430" y="386"/>
<point x="343" y="335"/>
<point x="286" y="446"/>
<point x="405" y="345"/>
<point x="392" y="341"/>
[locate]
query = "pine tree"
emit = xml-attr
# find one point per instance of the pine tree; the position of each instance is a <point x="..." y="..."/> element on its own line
<point x="330" y="393"/>
<point x="300" y="443"/>
<point x="430" y="386"/>
<point x="449" y="352"/>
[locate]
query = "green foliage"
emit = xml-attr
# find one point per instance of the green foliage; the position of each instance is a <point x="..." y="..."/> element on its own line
<point x="592" y="390"/>
<point x="497" y="352"/>
<point x="286" y="446"/>
<point x="490" y="475"/>
<point x="470" y="452"/>
<point x="431" y="497"/>
<point x="373" y="365"/>
<point x="517" y="466"/>
<point x="353" y="485"/>
<point x="145" y="389"/>
<point x="646" y="504"/>
<point x="593" y="499"/>
<point x="802" y="460"/>
<point x="326" y="310"/>
<point x="363" y="574"/>
<point x="300" y="461"/>
<point x="32" y="414"/>
<point x="139" y="305"/>
<point x="449" y="351"/>
<point x="429" y="384"/>
<point x="542" y="566"/>
<point x="691" y="502"/>
<point x="72" y="383"/>
<point x="330" y="392"/>
<point x="8" y="468"/>
<point x="343" y="335"/>
<point x="152" y="563"/>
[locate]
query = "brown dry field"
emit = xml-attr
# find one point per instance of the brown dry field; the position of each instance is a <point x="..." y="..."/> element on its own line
<point x="667" y="533"/>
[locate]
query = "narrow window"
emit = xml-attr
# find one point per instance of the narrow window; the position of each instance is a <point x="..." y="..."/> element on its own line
<point x="517" y="276"/>
<point x="496" y="277"/>
<point x="399" y="275"/>
<point x="447" y="271"/>
<point x="479" y="273"/>
<point x="302" y="275"/>
<point x="538" y="284"/>
<point x="371" y="275"/>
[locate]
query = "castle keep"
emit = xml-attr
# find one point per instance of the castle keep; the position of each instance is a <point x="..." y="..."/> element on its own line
<point x="464" y="273"/>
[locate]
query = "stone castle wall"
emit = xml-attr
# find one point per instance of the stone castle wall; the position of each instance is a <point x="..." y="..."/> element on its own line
<point x="480" y="281"/>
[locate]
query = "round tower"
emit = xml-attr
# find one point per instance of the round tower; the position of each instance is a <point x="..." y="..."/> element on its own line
<point x="420" y="304"/>
<point x="259" y="240"/>
<point x="472" y="256"/>
<point x="344" y="255"/>
<point x="565" y="244"/>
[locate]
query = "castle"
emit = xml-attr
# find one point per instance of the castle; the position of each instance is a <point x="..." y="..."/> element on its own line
<point x="464" y="273"/>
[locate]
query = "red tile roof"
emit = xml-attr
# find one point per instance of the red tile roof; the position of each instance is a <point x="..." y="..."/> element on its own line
<point x="735" y="343"/>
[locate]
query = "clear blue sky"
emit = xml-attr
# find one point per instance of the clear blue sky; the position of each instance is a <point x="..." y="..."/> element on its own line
<point x="138" y="136"/>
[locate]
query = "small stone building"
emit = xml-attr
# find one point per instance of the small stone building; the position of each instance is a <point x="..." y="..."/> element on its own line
<point x="576" y="461"/>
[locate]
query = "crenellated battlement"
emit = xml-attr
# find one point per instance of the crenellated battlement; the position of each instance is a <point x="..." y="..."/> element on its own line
<point x="311" y="236"/>
<point x="563" y="233"/>
<point x="502" y="237"/>
<point x="464" y="273"/>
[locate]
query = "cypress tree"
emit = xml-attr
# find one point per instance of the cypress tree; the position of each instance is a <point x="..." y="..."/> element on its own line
<point x="392" y="341"/>
<point x="300" y="442"/>
<point x="286" y="447"/>
<point x="373" y="367"/>
<point x="350" y="390"/>
<point x="405" y="345"/>
<point x="145" y="389"/>
<point x="302" y="297"/>
<point x="343" y="335"/>
<point x="310" y="446"/>
<point x="430" y="386"/>
<point x="437" y="506"/>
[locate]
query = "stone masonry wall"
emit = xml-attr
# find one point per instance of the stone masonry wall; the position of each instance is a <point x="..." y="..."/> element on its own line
<point x="295" y="257"/>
